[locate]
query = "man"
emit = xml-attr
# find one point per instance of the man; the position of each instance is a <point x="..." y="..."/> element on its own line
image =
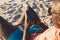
<point x="53" y="33"/>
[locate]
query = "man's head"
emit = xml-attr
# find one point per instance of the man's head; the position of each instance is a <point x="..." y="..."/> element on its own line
<point x="55" y="10"/>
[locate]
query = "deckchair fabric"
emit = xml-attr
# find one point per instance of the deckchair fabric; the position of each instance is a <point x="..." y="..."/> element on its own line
<point x="6" y="27"/>
<point x="35" y="29"/>
<point x="31" y="14"/>
<point x="18" y="34"/>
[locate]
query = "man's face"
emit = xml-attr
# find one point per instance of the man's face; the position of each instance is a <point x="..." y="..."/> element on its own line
<point x="56" y="17"/>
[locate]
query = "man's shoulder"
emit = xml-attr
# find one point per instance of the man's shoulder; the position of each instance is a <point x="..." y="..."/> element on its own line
<point x="49" y="30"/>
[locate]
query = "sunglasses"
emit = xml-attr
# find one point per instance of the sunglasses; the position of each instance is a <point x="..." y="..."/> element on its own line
<point x="49" y="11"/>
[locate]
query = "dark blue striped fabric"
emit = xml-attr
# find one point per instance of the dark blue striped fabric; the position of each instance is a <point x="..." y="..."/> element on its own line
<point x="31" y="14"/>
<point x="18" y="34"/>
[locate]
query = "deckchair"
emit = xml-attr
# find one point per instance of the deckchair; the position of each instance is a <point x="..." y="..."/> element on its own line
<point x="32" y="18"/>
<point x="5" y="28"/>
<point x="29" y="20"/>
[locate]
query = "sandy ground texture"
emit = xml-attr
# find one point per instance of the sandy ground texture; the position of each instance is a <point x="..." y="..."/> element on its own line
<point x="11" y="10"/>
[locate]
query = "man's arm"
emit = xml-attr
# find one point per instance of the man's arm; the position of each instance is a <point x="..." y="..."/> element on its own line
<point x="40" y="37"/>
